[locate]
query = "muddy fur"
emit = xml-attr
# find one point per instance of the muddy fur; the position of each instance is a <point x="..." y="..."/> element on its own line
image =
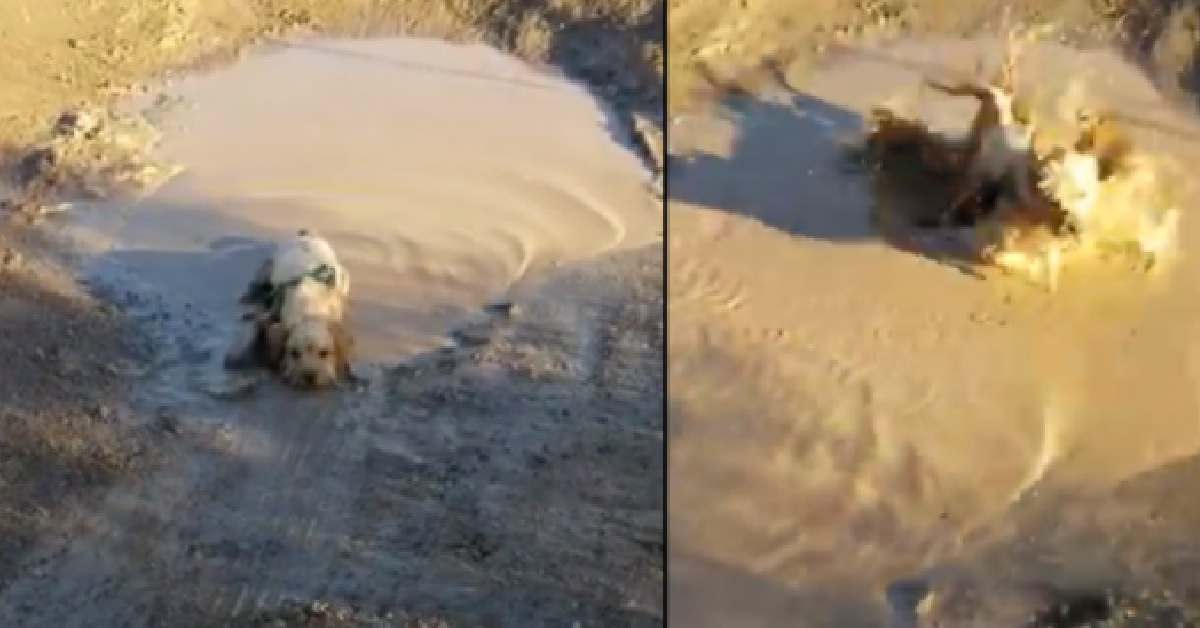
<point x="908" y="160"/>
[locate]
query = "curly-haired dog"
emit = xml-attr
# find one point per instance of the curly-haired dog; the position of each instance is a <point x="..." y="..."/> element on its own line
<point x="293" y="318"/>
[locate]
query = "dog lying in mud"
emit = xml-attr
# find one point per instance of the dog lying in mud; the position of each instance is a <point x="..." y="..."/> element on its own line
<point x="293" y="317"/>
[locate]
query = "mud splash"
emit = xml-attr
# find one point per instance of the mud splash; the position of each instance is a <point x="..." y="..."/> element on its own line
<point x="846" y="415"/>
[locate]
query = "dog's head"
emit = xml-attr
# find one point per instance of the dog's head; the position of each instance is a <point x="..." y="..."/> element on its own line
<point x="313" y="353"/>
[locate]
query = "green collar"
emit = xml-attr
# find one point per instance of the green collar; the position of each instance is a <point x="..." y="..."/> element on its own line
<point x="323" y="273"/>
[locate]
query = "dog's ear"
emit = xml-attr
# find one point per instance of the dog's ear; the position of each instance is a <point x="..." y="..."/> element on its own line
<point x="343" y="348"/>
<point x="272" y="343"/>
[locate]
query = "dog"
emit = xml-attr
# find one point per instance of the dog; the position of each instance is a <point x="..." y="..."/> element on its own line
<point x="999" y="147"/>
<point x="294" y="315"/>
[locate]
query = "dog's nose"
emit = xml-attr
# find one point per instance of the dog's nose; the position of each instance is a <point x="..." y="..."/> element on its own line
<point x="310" y="379"/>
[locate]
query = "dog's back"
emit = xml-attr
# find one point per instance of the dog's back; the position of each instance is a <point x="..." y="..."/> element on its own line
<point x="300" y="255"/>
<point x="296" y="261"/>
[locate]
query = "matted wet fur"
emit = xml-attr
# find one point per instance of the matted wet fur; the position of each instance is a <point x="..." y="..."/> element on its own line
<point x="909" y="162"/>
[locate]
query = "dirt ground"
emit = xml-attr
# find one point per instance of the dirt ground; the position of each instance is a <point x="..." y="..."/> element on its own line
<point x="78" y="437"/>
<point x="735" y="40"/>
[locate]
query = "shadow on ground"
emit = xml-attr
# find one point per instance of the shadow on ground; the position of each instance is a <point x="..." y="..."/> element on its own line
<point x="1161" y="36"/>
<point x="797" y="164"/>
<point x="783" y="167"/>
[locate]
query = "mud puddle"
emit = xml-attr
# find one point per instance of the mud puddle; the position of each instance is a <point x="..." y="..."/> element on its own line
<point x="443" y="174"/>
<point x="847" y="416"/>
<point x="452" y="485"/>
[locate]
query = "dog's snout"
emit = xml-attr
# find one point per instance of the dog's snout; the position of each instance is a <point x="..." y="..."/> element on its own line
<point x="310" y="379"/>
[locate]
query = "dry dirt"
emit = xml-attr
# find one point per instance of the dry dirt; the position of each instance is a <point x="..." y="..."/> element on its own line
<point x="737" y="40"/>
<point x="76" y="430"/>
<point x="859" y="436"/>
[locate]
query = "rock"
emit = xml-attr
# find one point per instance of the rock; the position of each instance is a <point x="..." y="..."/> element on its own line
<point x="77" y="123"/>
